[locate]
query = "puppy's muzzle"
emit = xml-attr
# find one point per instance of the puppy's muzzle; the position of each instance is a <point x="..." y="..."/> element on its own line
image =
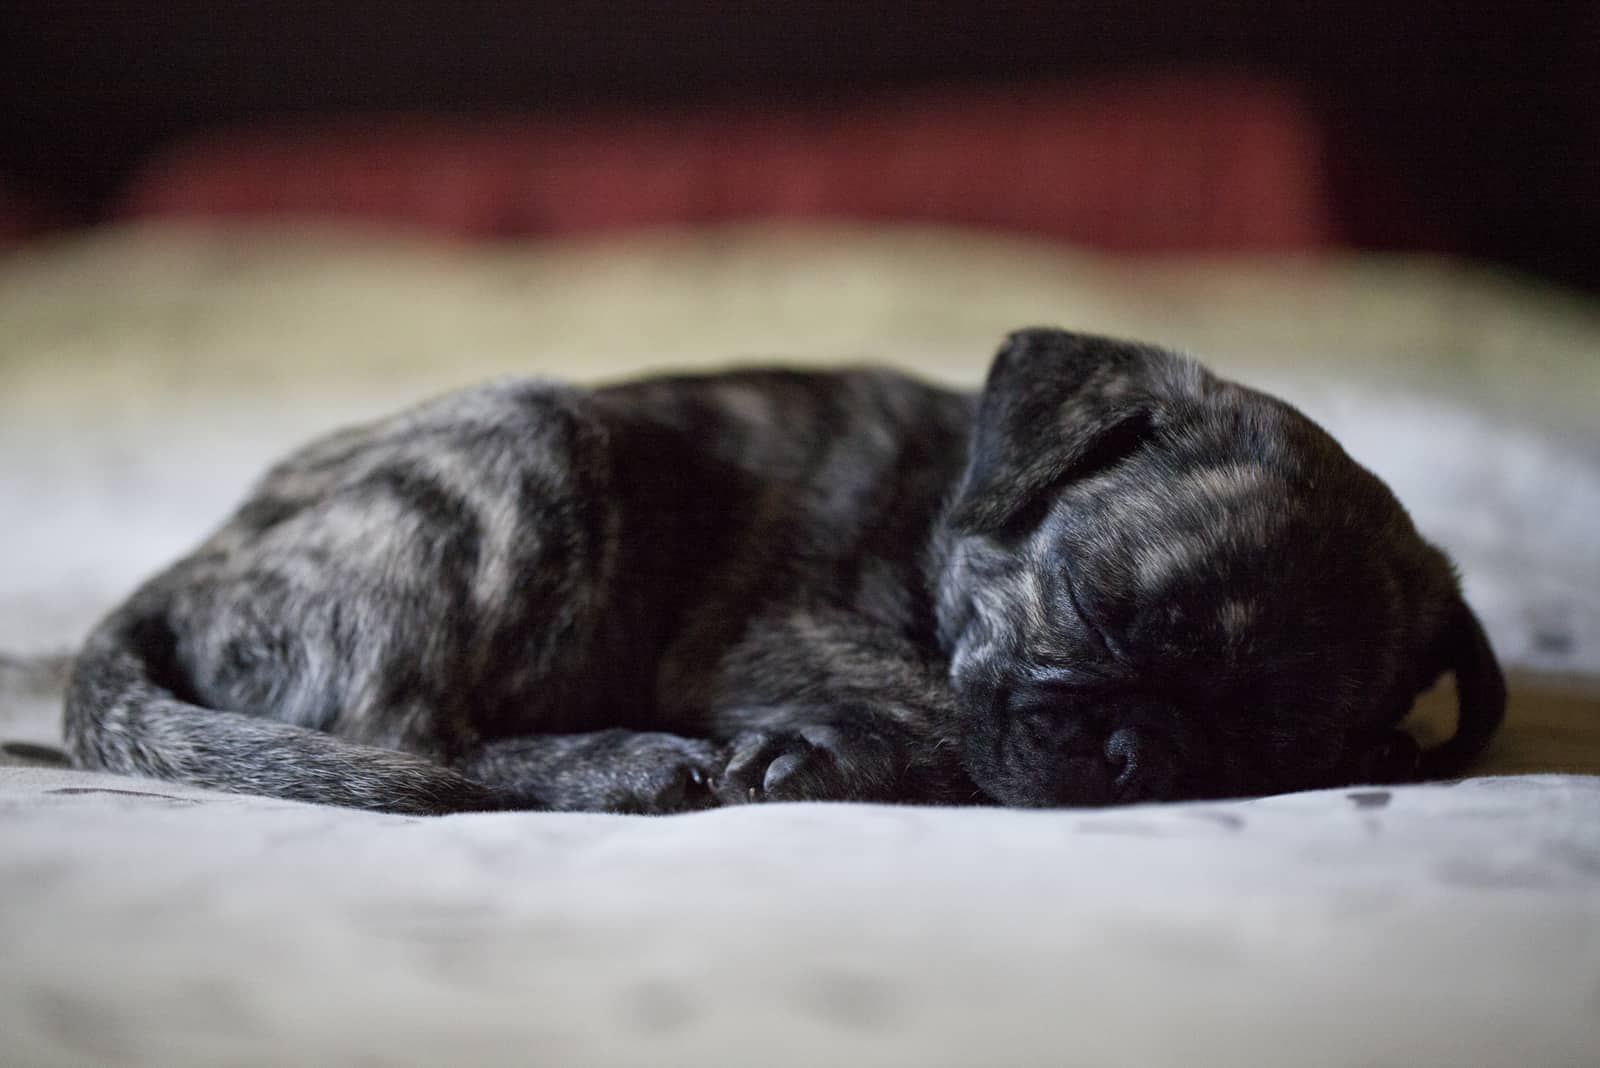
<point x="1079" y="752"/>
<point x="1144" y="765"/>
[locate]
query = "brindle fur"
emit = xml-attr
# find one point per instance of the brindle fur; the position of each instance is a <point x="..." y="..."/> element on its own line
<point x="1110" y="577"/>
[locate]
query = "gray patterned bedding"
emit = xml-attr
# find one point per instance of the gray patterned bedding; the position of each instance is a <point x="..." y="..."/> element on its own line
<point x="145" y="377"/>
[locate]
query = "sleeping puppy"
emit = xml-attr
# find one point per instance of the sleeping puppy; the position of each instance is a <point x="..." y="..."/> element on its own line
<point x="1109" y="577"/>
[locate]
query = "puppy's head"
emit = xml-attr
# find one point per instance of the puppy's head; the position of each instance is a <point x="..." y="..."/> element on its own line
<point x="1162" y="585"/>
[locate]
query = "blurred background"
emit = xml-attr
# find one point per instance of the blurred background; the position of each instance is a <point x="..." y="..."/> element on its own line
<point x="1158" y="126"/>
<point x="225" y="228"/>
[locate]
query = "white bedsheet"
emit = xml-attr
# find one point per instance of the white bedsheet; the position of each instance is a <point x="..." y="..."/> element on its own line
<point x="1436" y="925"/>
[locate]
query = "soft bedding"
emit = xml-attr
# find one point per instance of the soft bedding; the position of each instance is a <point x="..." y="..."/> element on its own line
<point x="147" y="375"/>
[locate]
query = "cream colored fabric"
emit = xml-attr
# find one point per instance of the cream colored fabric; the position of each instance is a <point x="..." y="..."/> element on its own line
<point x="147" y="376"/>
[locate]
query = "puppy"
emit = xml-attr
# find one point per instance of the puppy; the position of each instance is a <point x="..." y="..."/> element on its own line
<point x="1110" y="577"/>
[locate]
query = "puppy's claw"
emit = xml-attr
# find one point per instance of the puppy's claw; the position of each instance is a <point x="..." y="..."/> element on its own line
<point x="809" y="764"/>
<point x="781" y="768"/>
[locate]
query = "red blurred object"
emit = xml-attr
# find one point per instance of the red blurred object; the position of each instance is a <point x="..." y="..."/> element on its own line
<point x="1187" y="165"/>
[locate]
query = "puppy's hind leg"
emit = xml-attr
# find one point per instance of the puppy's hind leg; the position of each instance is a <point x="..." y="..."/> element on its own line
<point x="604" y="771"/>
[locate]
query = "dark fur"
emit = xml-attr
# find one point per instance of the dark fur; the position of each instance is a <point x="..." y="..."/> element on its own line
<point x="1110" y="577"/>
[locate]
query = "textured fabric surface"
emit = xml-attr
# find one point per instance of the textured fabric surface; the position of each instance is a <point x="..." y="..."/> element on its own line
<point x="146" y="377"/>
<point x="1441" y="925"/>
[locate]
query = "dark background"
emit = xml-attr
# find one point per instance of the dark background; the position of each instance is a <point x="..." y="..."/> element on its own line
<point x="1484" y="113"/>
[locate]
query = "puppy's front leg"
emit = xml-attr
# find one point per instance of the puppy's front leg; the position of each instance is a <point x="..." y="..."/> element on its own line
<point x="834" y="708"/>
<point x="603" y="771"/>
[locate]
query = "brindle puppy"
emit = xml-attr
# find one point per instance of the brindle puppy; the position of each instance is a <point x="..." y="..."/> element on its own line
<point x="1110" y="577"/>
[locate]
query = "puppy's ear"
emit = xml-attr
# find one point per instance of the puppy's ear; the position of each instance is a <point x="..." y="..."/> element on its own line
<point x="1480" y="693"/>
<point x="1056" y="404"/>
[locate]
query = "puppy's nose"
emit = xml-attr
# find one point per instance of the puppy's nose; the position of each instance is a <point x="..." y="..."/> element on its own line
<point x="1144" y="766"/>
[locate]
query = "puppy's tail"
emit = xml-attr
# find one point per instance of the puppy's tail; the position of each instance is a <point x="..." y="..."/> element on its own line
<point x="121" y="718"/>
<point x="1481" y="695"/>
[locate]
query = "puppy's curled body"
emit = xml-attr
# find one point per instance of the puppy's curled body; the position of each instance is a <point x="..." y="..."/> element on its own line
<point x="693" y="590"/>
<point x="694" y="559"/>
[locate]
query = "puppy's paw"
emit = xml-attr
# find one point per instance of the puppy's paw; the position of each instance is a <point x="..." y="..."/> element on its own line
<point x="781" y="766"/>
<point x="663" y="773"/>
<point x="607" y="771"/>
<point x="809" y="763"/>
